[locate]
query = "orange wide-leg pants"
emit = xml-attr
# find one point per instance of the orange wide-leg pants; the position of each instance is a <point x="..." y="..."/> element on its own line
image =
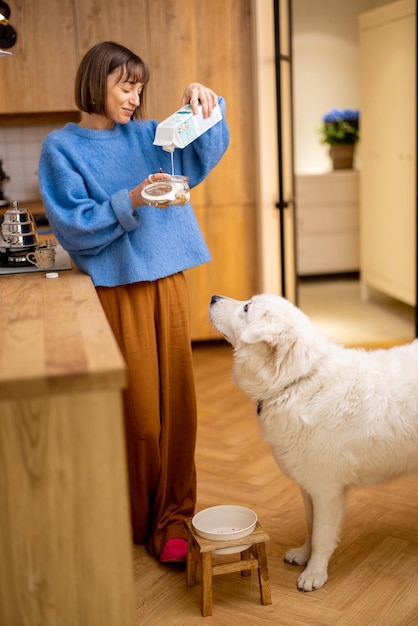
<point x="150" y="321"/>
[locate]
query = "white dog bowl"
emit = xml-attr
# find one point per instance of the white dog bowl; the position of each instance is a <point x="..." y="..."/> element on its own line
<point x="225" y="523"/>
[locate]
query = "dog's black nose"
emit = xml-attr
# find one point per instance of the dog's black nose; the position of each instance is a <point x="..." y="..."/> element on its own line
<point x="215" y="299"/>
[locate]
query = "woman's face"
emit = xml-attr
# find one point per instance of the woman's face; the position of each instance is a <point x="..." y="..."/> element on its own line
<point x="122" y="98"/>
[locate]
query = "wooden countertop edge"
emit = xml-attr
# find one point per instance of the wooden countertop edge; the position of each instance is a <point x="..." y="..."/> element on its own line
<point x="56" y="385"/>
<point x="55" y="338"/>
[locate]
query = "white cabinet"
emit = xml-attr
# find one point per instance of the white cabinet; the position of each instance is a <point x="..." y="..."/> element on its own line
<point x="327" y="223"/>
<point x="388" y="135"/>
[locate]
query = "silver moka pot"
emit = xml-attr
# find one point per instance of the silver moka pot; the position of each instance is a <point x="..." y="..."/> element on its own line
<point x="19" y="236"/>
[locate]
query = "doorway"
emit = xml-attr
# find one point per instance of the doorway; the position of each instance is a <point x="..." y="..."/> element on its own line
<point x="326" y="75"/>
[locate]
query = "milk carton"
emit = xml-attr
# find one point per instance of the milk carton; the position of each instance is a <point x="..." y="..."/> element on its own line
<point x="182" y="127"/>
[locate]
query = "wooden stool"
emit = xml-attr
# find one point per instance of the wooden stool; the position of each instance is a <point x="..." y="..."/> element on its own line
<point x="199" y="551"/>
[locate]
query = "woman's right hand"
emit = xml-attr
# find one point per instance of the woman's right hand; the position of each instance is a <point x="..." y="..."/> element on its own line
<point x="135" y="193"/>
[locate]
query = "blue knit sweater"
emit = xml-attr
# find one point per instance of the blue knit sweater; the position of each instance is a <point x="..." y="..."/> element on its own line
<point x="85" y="178"/>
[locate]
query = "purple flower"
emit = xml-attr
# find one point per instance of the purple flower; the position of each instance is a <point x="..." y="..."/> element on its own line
<point x="341" y="115"/>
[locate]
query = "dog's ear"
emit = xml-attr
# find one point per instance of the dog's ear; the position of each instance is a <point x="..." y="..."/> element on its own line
<point x="260" y="331"/>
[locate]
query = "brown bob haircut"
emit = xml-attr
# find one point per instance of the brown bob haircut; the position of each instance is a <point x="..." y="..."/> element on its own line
<point x="96" y="65"/>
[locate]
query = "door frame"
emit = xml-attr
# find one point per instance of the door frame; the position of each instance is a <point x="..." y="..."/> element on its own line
<point x="273" y="160"/>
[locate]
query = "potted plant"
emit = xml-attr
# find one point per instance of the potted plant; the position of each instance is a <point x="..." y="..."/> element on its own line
<point x="340" y="129"/>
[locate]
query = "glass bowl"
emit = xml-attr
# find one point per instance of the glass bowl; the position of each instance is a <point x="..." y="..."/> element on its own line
<point x="168" y="191"/>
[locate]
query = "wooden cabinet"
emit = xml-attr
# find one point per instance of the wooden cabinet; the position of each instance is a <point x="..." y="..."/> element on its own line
<point x="209" y="42"/>
<point x="65" y="533"/>
<point x="327" y="223"/>
<point x="39" y="77"/>
<point x="182" y="41"/>
<point x="388" y="134"/>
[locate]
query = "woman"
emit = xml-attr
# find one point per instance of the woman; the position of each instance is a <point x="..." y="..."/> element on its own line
<point x="91" y="177"/>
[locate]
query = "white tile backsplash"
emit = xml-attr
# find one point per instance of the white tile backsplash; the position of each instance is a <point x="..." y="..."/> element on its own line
<point x="20" y="149"/>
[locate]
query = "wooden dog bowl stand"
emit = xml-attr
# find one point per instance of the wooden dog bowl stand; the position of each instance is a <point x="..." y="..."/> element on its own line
<point x="199" y="552"/>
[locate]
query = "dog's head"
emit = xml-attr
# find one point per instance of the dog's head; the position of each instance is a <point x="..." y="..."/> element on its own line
<point x="274" y="342"/>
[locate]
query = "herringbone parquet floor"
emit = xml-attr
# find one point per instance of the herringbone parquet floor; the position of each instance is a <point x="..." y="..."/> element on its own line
<point x="373" y="574"/>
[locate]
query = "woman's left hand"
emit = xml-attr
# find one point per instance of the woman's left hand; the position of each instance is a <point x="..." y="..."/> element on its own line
<point x="135" y="194"/>
<point x="195" y="93"/>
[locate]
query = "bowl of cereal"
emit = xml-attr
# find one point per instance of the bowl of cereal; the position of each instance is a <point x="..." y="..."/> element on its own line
<point x="167" y="191"/>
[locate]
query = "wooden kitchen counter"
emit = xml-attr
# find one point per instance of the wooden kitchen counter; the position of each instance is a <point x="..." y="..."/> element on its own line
<point x="54" y="336"/>
<point x="65" y="536"/>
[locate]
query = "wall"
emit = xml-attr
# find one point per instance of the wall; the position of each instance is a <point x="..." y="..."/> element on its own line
<point x="325" y="72"/>
<point x="20" y="148"/>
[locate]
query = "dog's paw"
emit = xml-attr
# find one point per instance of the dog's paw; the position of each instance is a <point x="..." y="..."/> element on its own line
<point x="311" y="580"/>
<point x="298" y="556"/>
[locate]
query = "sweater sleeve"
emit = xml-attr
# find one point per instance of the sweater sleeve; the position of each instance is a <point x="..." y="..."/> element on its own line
<point x="82" y="221"/>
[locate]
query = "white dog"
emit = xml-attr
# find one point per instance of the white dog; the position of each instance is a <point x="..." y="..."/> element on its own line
<point x="333" y="416"/>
